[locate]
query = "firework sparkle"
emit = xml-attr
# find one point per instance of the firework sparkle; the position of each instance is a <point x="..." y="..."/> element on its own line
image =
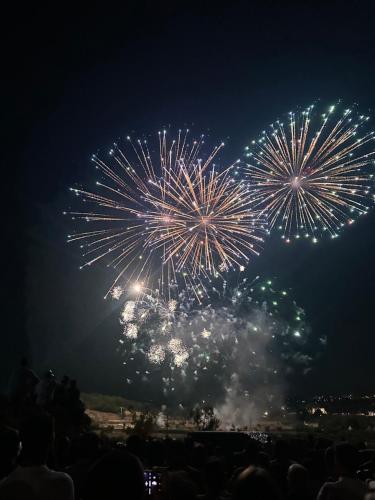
<point x="252" y="330"/>
<point x="168" y="216"/>
<point x="312" y="175"/>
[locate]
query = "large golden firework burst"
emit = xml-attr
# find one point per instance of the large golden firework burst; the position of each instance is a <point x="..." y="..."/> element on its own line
<point x="168" y="215"/>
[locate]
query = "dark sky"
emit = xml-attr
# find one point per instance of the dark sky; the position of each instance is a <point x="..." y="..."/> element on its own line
<point x="75" y="80"/>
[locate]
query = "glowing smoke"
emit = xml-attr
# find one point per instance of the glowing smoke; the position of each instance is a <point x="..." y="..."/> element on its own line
<point x="235" y="351"/>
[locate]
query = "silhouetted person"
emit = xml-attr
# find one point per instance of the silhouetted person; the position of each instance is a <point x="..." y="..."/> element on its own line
<point x="118" y="474"/>
<point x="45" y="390"/>
<point x="85" y="451"/>
<point x="22" y="385"/>
<point x="74" y="404"/>
<point x="214" y="479"/>
<point x="329" y="461"/>
<point x="298" y="483"/>
<point x="135" y="446"/>
<point x="61" y="392"/>
<point x="33" y="475"/>
<point x="74" y="393"/>
<point x="9" y="450"/>
<point x="180" y="487"/>
<point x="249" y="456"/>
<point x="348" y="486"/>
<point x="178" y="462"/>
<point x="255" y="483"/>
<point x="280" y="464"/>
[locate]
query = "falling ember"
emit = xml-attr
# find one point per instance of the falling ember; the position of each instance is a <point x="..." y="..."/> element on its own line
<point x="127" y="313"/>
<point x="180" y="354"/>
<point x="156" y="354"/>
<point x="206" y="334"/>
<point x="180" y="358"/>
<point x="172" y="305"/>
<point x="131" y="331"/>
<point x="116" y="292"/>
<point x="311" y="175"/>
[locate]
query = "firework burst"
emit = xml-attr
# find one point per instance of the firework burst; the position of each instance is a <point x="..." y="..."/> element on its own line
<point x="149" y="322"/>
<point x="311" y="174"/>
<point x="252" y="330"/>
<point x="172" y="211"/>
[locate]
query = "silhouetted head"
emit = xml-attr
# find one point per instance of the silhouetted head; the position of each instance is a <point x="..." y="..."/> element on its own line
<point x="214" y="475"/>
<point x="297" y="477"/>
<point x="135" y="445"/>
<point x="117" y="474"/>
<point x="346" y="459"/>
<point x="180" y="486"/>
<point x="329" y="459"/>
<point x="87" y="446"/>
<point x="37" y="435"/>
<point x="255" y="483"/>
<point x="252" y="452"/>
<point x="198" y="455"/>
<point x="24" y="363"/>
<point x="10" y="445"/>
<point x="177" y="455"/>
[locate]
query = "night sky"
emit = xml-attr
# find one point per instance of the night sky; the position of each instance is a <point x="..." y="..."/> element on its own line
<point x="75" y="81"/>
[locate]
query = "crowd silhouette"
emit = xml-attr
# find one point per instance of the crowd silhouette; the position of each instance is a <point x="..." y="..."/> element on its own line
<point x="49" y="451"/>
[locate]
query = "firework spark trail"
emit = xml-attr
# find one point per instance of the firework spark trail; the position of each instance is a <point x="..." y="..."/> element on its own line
<point x="172" y="211"/>
<point x="312" y="175"/>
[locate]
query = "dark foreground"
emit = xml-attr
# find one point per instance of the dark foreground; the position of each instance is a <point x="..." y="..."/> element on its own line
<point x="48" y="450"/>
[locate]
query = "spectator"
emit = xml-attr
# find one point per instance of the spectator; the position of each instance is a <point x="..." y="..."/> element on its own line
<point x="22" y="385"/>
<point x="280" y="464"/>
<point x="116" y="473"/>
<point x="33" y="476"/>
<point x="74" y="394"/>
<point x="75" y="406"/>
<point x="45" y="390"/>
<point x="61" y="391"/>
<point x="329" y="460"/>
<point x="85" y="452"/>
<point x="348" y="486"/>
<point x="189" y="469"/>
<point x="255" y="483"/>
<point x="180" y="487"/>
<point x="251" y="455"/>
<point x="298" y="483"/>
<point x="178" y="462"/>
<point x="214" y="479"/>
<point x="9" y="450"/>
<point x="136" y="446"/>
